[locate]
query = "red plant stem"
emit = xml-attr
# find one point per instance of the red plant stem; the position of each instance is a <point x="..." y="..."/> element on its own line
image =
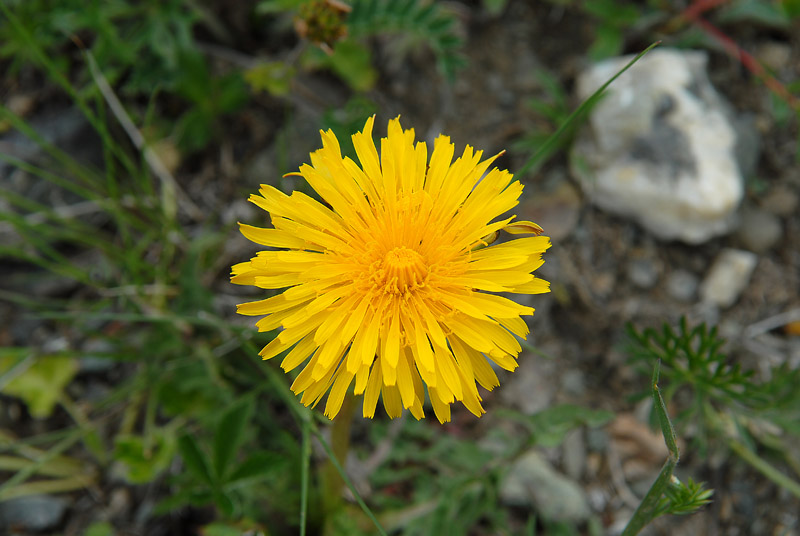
<point x="699" y="7"/>
<point x="749" y="62"/>
<point x="692" y="14"/>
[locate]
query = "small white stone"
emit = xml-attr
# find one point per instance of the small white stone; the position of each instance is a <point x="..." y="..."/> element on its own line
<point x="659" y="147"/>
<point x="728" y="277"/>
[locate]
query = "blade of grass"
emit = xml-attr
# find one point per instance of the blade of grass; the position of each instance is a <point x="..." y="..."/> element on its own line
<point x="551" y="144"/>
<point x="43" y="487"/>
<point x="170" y="190"/>
<point x="61" y="158"/>
<point x="765" y="468"/>
<point x="64" y="269"/>
<point x="21" y="476"/>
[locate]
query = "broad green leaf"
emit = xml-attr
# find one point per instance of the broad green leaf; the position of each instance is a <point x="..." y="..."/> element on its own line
<point x="608" y="42"/>
<point x="230" y="433"/>
<point x="183" y="496"/>
<point x="550" y="426"/>
<point x="258" y="465"/>
<point x="274" y="77"/>
<point x="223" y="502"/>
<point x="40" y="385"/>
<point x="352" y="61"/>
<point x="196" y="462"/>
<point x="143" y="462"/>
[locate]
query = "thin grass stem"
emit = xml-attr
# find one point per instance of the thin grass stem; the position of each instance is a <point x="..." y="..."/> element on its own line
<point x="552" y="141"/>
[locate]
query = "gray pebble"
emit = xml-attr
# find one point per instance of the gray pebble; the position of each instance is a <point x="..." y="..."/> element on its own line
<point x="682" y="285"/>
<point x="759" y="230"/>
<point x="643" y="273"/>
<point x="35" y="513"/>
<point x="781" y="201"/>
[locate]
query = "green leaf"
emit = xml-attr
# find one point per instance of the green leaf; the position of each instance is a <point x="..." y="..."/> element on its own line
<point x="277" y="6"/>
<point x="258" y="465"/>
<point x="223" y="502"/>
<point x="549" y="427"/>
<point x="189" y="391"/>
<point x="230" y="94"/>
<point x="494" y="7"/>
<point x="194" y="129"/>
<point x="608" y="42"/>
<point x="612" y="12"/>
<point x="195" y="497"/>
<point x="13" y="362"/>
<point x="663" y="418"/>
<point x="759" y="12"/>
<point x="220" y="529"/>
<point x="791" y="8"/>
<point x="196" y="462"/>
<point x="143" y="461"/>
<point x="353" y="62"/>
<point x="100" y="528"/>
<point x="230" y="433"/>
<point x="41" y="385"/>
<point x="274" y="77"/>
<point x="420" y="20"/>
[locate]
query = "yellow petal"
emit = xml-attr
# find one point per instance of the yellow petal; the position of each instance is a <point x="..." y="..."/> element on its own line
<point x="372" y="391"/>
<point x="271" y="237"/>
<point x="338" y="391"/>
<point x="523" y="227"/>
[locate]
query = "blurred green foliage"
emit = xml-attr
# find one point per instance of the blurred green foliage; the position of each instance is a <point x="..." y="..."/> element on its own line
<point x="142" y="48"/>
<point x="725" y="406"/>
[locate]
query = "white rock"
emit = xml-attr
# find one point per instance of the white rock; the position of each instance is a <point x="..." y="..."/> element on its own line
<point x="728" y="277"/>
<point x="659" y="147"/>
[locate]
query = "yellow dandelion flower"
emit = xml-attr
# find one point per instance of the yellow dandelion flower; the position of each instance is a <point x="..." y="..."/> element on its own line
<point x="391" y="283"/>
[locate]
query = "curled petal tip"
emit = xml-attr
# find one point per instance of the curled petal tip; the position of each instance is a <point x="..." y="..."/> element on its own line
<point x="523" y="227"/>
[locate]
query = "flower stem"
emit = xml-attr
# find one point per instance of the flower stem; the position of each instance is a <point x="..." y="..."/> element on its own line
<point x="340" y="444"/>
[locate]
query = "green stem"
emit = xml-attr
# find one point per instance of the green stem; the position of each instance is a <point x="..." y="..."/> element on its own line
<point x="304" y="474"/>
<point x="765" y="468"/>
<point x="347" y="481"/>
<point x="648" y="508"/>
<point x="340" y="446"/>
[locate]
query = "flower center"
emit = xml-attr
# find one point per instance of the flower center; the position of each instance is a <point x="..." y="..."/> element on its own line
<point x="404" y="269"/>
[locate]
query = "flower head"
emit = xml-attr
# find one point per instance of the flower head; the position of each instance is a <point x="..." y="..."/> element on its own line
<point x="392" y="282"/>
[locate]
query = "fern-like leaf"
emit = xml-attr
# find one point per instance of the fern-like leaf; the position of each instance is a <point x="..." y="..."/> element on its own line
<point x="424" y="20"/>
